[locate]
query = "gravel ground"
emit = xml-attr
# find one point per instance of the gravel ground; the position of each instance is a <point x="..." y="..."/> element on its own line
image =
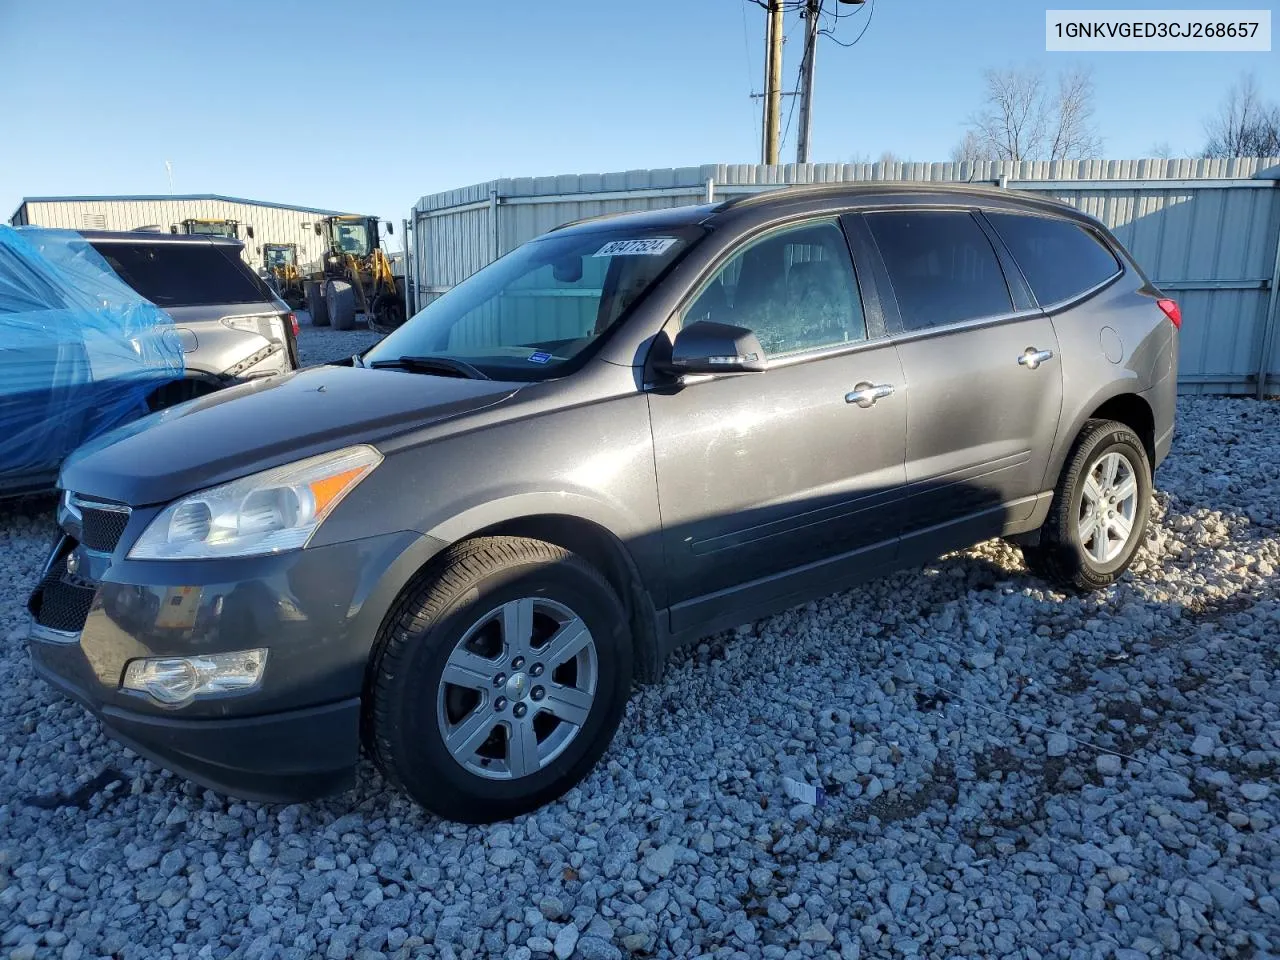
<point x="1006" y="771"/>
<point x="320" y="344"/>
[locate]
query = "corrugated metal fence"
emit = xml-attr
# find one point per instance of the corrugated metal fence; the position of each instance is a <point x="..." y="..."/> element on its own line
<point x="1207" y="231"/>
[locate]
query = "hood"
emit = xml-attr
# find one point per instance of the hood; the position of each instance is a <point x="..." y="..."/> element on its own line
<point x="262" y="424"/>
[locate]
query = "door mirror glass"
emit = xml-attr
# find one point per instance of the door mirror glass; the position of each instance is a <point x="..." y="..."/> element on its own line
<point x="709" y="347"/>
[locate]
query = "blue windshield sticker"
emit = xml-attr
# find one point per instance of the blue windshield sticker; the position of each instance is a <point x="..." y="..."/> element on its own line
<point x="539" y="357"/>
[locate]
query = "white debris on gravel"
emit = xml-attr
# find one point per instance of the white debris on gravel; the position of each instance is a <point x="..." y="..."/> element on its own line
<point x="1008" y="771"/>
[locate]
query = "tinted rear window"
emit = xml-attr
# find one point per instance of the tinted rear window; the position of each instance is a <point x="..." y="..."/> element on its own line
<point x="1060" y="259"/>
<point x="184" y="274"/>
<point x="942" y="267"/>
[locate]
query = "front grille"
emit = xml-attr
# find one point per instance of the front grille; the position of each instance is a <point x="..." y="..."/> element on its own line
<point x="101" y="527"/>
<point x="61" y="602"/>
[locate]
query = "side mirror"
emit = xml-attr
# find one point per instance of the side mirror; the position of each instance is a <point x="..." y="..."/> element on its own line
<point x="390" y="229"/>
<point x="318" y="231"/>
<point x="248" y="230"/>
<point x="568" y="270"/>
<point x="709" y="347"/>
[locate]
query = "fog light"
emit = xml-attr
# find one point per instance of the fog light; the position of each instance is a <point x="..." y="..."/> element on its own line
<point x="174" y="680"/>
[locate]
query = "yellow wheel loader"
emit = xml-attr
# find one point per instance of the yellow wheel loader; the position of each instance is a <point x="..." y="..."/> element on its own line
<point x="353" y="275"/>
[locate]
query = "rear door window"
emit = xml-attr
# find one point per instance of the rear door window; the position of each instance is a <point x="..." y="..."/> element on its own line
<point x="184" y="274"/>
<point x="1060" y="259"/>
<point x="941" y="265"/>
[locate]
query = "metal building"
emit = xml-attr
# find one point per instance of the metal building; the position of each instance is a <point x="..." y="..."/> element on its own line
<point x="271" y="222"/>
<point x="1207" y="231"/>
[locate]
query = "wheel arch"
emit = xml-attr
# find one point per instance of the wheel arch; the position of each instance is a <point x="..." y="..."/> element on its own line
<point x="600" y="547"/>
<point x="1121" y="403"/>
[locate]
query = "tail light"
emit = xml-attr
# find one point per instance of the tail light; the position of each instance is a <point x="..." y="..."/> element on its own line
<point x="1172" y="311"/>
<point x="293" y="320"/>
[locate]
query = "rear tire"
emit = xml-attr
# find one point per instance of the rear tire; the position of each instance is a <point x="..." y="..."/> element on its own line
<point x="529" y="635"/>
<point x="313" y="292"/>
<point x="1100" y="509"/>
<point x="340" y="297"/>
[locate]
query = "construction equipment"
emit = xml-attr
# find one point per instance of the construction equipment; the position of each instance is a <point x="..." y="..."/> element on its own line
<point x="213" y="228"/>
<point x="280" y="265"/>
<point x="353" y="274"/>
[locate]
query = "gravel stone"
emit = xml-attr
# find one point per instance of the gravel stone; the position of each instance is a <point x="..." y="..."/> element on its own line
<point x="1257" y="792"/>
<point x="566" y="940"/>
<point x="1108" y="764"/>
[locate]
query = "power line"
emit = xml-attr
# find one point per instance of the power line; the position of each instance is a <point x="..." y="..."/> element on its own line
<point x="871" y="12"/>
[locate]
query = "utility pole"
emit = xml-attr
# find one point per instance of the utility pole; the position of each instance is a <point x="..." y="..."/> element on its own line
<point x="773" y="81"/>
<point x="812" y="12"/>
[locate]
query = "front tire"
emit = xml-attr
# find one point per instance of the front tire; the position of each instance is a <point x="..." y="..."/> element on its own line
<point x="498" y="680"/>
<point x="313" y="293"/>
<point x="1100" y="510"/>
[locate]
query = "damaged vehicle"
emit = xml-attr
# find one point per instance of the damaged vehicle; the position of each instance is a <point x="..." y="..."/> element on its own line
<point x="98" y="328"/>
<point x="458" y="550"/>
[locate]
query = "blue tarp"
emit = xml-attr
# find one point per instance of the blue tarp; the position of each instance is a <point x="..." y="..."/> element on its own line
<point x="80" y="351"/>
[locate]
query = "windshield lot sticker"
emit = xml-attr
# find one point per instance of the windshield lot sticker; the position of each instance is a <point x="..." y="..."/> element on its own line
<point x="539" y="357"/>
<point x="650" y="247"/>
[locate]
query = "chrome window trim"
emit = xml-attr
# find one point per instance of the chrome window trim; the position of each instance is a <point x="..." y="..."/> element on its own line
<point x="1083" y="295"/>
<point x="991" y="320"/>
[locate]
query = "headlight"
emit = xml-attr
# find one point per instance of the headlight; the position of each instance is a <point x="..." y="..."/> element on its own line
<point x="275" y="510"/>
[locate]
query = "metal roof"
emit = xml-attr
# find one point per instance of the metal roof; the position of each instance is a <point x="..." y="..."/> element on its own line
<point x="181" y="196"/>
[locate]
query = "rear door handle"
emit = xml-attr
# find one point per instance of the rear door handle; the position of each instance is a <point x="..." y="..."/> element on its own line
<point x="866" y="394"/>
<point x="1032" y="358"/>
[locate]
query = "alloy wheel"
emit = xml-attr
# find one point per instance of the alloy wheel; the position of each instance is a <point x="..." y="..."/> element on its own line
<point x="1108" y="507"/>
<point x="517" y="688"/>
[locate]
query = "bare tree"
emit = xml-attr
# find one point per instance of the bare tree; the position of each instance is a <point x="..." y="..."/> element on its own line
<point x="1160" y="151"/>
<point x="1023" y="118"/>
<point x="971" y="149"/>
<point x="1245" y="124"/>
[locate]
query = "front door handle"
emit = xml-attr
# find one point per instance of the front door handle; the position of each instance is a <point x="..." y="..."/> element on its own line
<point x="1032" y="358"/>
<point x="866" y="394"/>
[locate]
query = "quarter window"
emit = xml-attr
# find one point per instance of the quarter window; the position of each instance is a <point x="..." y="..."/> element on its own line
<point x="942" y="267"/>
<point x="1060" y="259"/>
<point x="795" y="289"/>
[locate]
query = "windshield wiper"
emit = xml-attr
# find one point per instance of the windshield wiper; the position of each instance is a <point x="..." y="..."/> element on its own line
<point x="445" y="366"/>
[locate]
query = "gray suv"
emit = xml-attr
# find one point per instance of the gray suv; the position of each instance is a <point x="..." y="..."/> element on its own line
<point x="459" y="549"/>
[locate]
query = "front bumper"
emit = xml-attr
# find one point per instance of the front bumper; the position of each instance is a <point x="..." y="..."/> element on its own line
<point x="317" y="611"/>
<point x="288" y="756"/>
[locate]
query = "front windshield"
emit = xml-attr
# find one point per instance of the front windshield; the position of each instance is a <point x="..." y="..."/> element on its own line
<point x="279" y="256"/>
<point x="351" y="236"/>
<point x="212" y="229"/>
<point x="541" y="305"/>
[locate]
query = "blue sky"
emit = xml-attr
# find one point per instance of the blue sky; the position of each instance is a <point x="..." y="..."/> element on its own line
<point x="369" y="106"/>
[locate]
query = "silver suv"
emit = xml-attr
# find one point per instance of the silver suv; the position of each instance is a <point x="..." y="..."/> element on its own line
<point x="460" y="548"/>
<point x="233" y="326"/>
